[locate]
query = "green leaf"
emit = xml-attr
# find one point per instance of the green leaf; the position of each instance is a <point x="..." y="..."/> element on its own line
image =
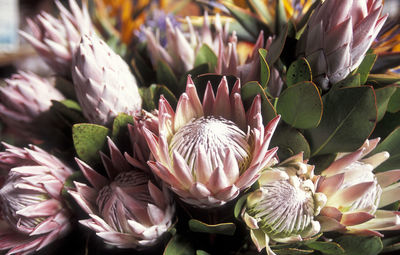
<point x="321" y="162"/>
<point x="206" y="55"/>
<point x="301" y="105"/>
<point x="349" y="118"/>
<point x="326" y="247"/>
<point x="259" y="7"/>
<point x="389" y="122"/>
<point x="151" y="96"/>
<point x="66" y="87"/>
<point x="71" y="104"/>
<point x="201" y="252"/>
<point x="247" y="19"/>
<point x="68" y="111"/>
<point x="290" y="142"/>
<point x="353" y="80"/>
<point x="293" y="251"/>
<point x="365" y="67"/>
<point x="89" y="139"/>
<point x="166" y="76"/>
<point x="252" y="89"/>
<point x="298" y="71"/>
<point x="120" y="124"/>
<point x="280" y="16"/>
<point x="277" y="45"/>
<point x="239" y="205"/>
<point x="391" y="244"/>
<point x="356" y="245"/>
<point x="179" y="245"/>
<point x="221" y="228"/>
<point x="391" y="145"/>
<point x="384" y="79"/>
<point x="265" y="72"/>
<point x="394" y="102"/>
<point x="383" y="95"/>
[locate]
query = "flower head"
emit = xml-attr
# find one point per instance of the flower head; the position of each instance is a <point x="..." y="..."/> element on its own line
<point x="32" y="209"/>
<point x="355" y="193"/>
<point x="284" y="207"/>
<point x="56" y="39"/>
<point x="207" y="152"/>
<point x="24" y="99"/>
<point x="103" y="82"/>
<point x="126" y="209"/>
<point x="337" y="37"/>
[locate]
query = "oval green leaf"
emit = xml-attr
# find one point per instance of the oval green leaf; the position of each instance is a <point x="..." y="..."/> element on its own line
<point x="239" y="205"/>
<point x="383" y="96"/>
<point x="356" y="245"/>
<point x="252" y="89"/>
<point x="290" y="142"/>
<point x="89" y="139"/>
<point x="349" y="118"/>
<point x="326" y="247"/>
<point x="206" y="55"/>
<point x="120" y="124"/>
<point x="298" y="71"/>
<point x="221" y="228"/>
<point x="394" y="102"/>
<point x="179" y="245"/>
<point x="265" y="72"/>
<point x="301" y="105"/>
<point x="166" y="76"/>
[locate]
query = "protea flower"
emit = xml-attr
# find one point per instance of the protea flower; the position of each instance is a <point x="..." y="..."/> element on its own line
<point x="32" y="210"/>
<point x="202" y="151"/>
<point x="126" y="209"/>
<point x="56" y="39"/>
<point x="355" y="193"/>
<point x="103" y="82"/>
<point x="180" y="51"/>
<point x="338" y="35"/>
<point x="284" y="207"/>
<point x="24" y="99"/>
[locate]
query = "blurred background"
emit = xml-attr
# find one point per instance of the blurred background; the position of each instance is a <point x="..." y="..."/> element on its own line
<point x="17" y="54"/>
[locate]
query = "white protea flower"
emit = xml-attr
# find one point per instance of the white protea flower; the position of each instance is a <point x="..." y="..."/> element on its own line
<point x="103" y="82"/>
<point x="202" y="150"/>
<point x="126" y="209"/>
<point x="355" y="193"/>
<point x="284" y="207"/>
<point x="32" y="211"/>
<point x="56" y="39"/>
<point x="337" y="37"/>
<point x="23" y="99"/>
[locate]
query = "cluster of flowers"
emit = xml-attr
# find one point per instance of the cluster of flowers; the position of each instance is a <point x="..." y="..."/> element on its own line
<point x="211" y="150"/>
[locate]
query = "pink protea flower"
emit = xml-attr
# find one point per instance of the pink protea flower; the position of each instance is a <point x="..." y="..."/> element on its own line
<point x="126" y="210"/>
<point x="338" y="35"/>
<point x="24" y="99"/>
<point x="56" y="39"/>
<point x="103" y="82"/>
<point x="355" y="193"/>
<point x="202" y="151"/>
<point x="32" y="210"/>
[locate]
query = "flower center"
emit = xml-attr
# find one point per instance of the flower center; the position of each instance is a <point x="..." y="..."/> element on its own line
<point x="13" y="199"/>
<point x="215" y="135"/>
<point x="111" y="200"/>
<point x="284" y="208"/>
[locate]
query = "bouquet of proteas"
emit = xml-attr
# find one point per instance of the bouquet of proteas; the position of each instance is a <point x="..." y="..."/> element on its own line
<point x="248" y="127"/>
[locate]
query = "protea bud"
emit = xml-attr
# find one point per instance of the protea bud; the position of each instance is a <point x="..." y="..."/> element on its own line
<point x="23" y="100"/>
<point x="103" y="82"/>
<point x="56" y="39"/>
<point x="32" y="210"/>
<point x="126" y="209"/>
<point x="284" y="207"/>
<point x="355" y="193"/>
<point x="337" y="36"/>
<point x="202" y="151"/>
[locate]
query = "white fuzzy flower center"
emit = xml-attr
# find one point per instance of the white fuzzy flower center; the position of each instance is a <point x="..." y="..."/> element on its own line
<point x="284" y="208"/>
<point x="216" y="136"/>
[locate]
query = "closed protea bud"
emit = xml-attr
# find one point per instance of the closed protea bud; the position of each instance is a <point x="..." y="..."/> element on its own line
<point x="126" y="209"/>
<point x="32" y="210"/>
<point x="103" y="82"/>
<point x="284" y="207"/>
<point x="337" y="37"/>
<point x="355" y="193"/>
<point x="56" y="39"/>
<point x="23" y="99"/>
<point x="202" y="150"/>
